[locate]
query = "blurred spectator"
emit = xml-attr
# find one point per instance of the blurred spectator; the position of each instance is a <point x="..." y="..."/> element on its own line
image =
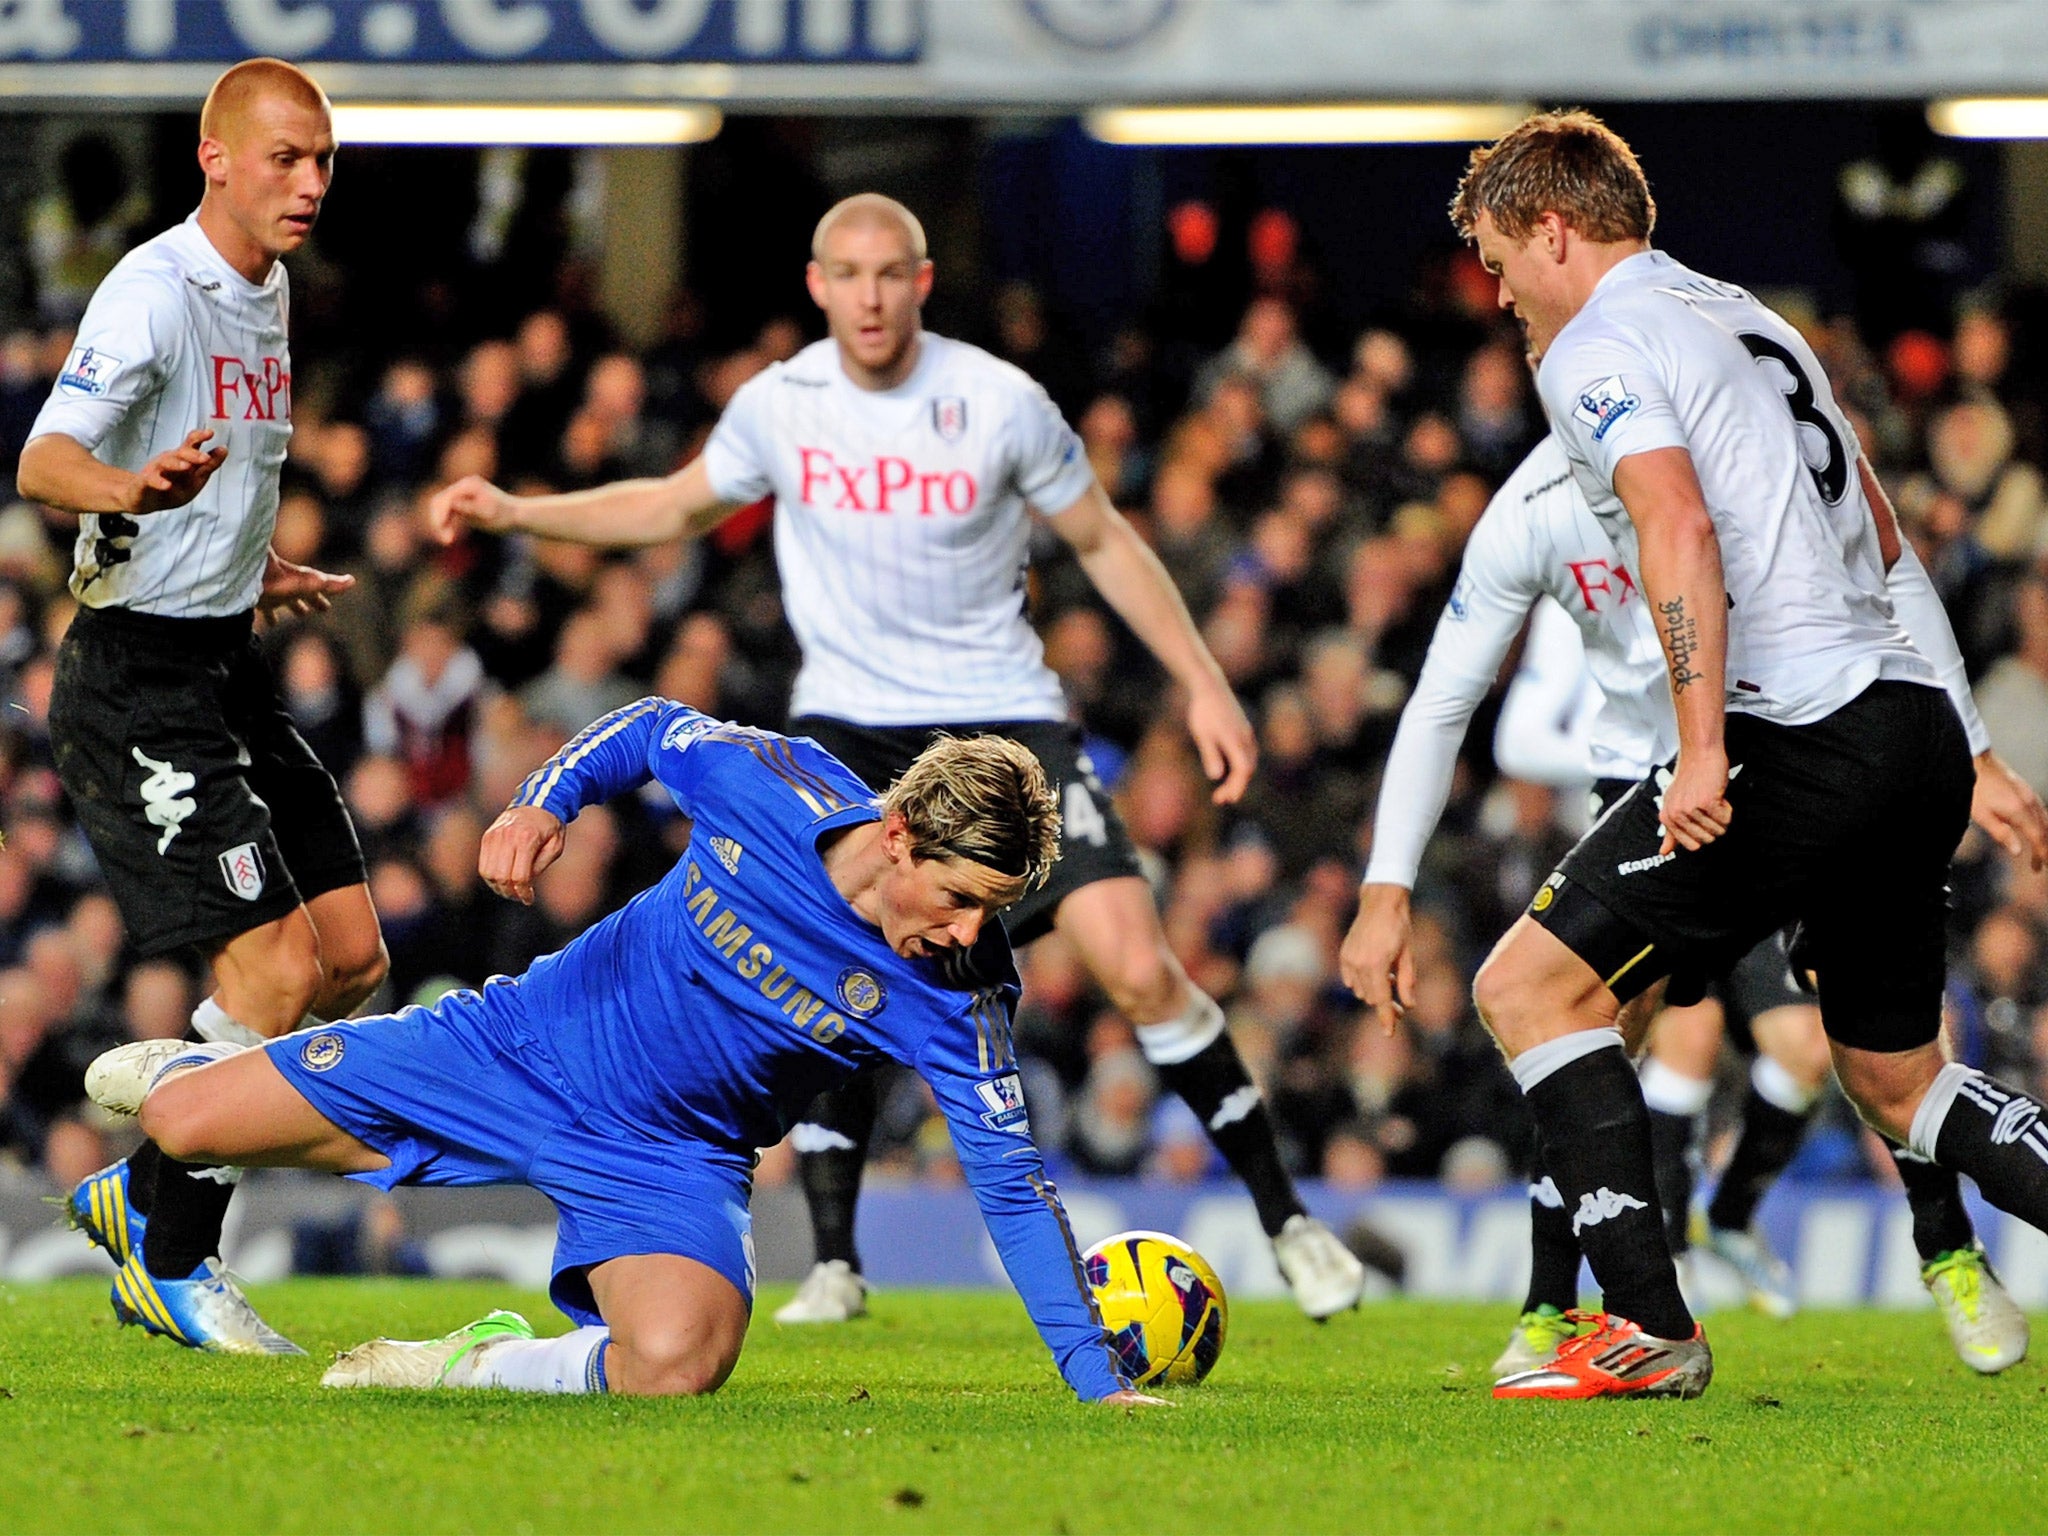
<point x="423" y="711"/>
<point x="321" y="700"/>
<point x="404" y="420"/>
<point x="584" y="681"/>
<point x="1112" y="1113"/>
<point x="2013" y="695"/>
<point x="1291" y="384"/>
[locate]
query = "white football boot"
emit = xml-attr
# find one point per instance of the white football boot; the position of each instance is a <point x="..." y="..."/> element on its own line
<point x="833" y="1292"/>
<point x="1987" y="1329"/>
<point x="420" y="1363"/>
<point x="120" y="1079"/>
<point x="1767" y="1283"/>
<point x="1324" y="1275"/>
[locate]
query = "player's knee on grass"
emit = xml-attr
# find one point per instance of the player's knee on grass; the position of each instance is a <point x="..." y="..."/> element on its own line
<point x="670" y="1360"/>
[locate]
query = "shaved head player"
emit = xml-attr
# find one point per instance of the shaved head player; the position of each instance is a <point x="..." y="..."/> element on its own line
<point x="906" y="468"/>
<point x="217" y="828"/>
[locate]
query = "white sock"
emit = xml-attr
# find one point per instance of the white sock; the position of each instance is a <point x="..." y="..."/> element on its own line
<point x="1934" y="1108"/>
<point x="1539" y="1061"/>
<point x="1775" y="1085"/>
<point x="197" y="1054"/>
<point x="572" y="1363"/>
<point x="1670" y="1092"/>
<point x="1173" y="1041"/>
<point x="213" y="1022"/>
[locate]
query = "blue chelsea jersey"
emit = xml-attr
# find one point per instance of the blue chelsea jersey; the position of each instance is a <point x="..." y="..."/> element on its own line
<point x="716" y="1004"/>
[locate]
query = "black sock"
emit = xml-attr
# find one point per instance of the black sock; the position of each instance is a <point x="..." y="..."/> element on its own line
<point x="1217" y="1088"/>
<point x="1554" y="1255"/>
<point x="1769" y="1139"/>
<point x="1671" y="1138"/>
<point x="143" y="1164"/>
<point x="185" y="1219"/>
<point x="1993" y="1132"/>
<point x="1941" y="1222"/>
<point x="1595" y="1132"/>
<point x="831" y="1176"/>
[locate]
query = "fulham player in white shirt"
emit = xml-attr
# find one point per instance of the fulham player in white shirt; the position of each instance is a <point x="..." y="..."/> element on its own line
<point x="1822" y="776"/>
<point x="216" y="827"/>
<point x="905" y="468"/>
<point x="1539" y="557"/>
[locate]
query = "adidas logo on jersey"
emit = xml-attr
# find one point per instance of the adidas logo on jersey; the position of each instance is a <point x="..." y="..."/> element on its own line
<point x="1602" y="1204"/>
<point x="727" y="852"/>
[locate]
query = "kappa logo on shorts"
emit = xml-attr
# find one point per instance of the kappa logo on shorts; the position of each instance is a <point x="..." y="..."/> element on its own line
<point x="242" y="868"/>
<point x="1603" y="404"/>
<point x="322" y="1052"/>
<point x="861" y="993"/>
<point x="1004" y="1097"/>
<point x="164" y="801"/>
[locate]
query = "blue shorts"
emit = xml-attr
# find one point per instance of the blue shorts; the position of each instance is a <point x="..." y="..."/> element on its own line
<point x="464" y="1093"/>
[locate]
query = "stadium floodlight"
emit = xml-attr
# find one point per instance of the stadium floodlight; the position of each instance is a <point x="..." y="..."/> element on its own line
<point x="1384" y="122"/>
<point x="494" y="124"/>
<point x="1990" y="117"/>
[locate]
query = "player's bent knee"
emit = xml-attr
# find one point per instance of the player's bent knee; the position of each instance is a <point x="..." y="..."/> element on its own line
<point x="176" y="1118"/>
<point x="351" y="976"/>
<point x="662" y="1364"/>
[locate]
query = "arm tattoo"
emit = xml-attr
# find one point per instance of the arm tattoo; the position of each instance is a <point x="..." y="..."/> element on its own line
<point x="1681" y="639"/>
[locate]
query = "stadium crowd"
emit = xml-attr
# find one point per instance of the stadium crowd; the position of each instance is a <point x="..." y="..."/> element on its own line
<point x="1310" y="493"/>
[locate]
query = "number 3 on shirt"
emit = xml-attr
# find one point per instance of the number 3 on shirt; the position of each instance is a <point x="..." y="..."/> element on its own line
<point x="1080" y="818"/>
<point x="1833" y="477"/>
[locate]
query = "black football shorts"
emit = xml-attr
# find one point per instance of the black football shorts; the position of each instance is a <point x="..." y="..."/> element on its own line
<point x="208" y="813"/>
<point x="1846" y="825"/>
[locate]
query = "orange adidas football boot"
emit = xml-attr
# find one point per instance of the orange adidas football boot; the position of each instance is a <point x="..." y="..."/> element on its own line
<point x="1615" y="1358"/>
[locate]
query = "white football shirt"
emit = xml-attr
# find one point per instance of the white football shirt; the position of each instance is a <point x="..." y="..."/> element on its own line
<point x="1592" y="699"/>
<point x="175" y="340"/>
<point x="901" y="529"/>
<point x="1537" y="539"/>
<point x="1662" y="357"/>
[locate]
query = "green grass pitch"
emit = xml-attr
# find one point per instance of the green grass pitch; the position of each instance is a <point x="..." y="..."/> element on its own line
<point x="941" y="1413"/>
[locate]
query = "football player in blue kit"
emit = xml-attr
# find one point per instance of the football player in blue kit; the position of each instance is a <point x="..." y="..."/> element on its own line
<point x="807" y="930"/>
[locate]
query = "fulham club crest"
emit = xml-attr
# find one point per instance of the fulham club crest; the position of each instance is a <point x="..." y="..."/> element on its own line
<point x="949" y="417"/>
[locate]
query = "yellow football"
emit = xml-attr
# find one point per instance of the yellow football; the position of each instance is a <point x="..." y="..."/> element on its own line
<point x="1162" y="1304"/>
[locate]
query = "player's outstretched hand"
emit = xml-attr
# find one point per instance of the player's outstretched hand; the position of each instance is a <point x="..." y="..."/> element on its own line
<point x="297" y="589"/>
<point x="522" y="842"/>
<point x="2005" y="805"/>
<point x="1225" y="738"/>
<point x="1130" y="1399"/>
<point x="1377" y="960"/>
<point x="471" y="502"/>
<point x="1694" y="808"/>
<point x="172" y="479"/>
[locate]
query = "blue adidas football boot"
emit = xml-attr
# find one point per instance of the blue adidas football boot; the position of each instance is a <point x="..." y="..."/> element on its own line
<point x="206" y="1310"/>
<point x="100" y="1208"/>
